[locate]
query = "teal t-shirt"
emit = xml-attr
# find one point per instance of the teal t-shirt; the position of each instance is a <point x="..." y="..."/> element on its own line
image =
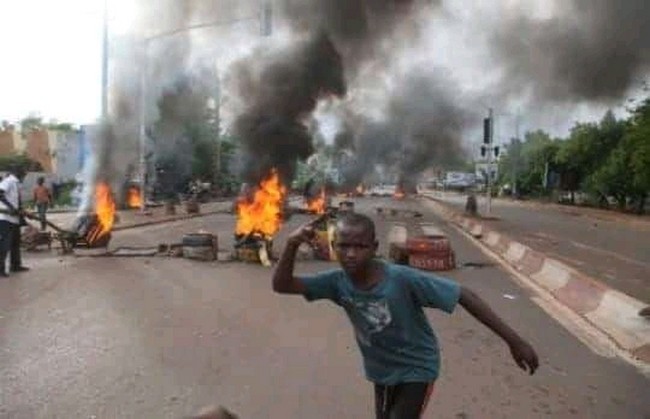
<point x="396" y="340"/>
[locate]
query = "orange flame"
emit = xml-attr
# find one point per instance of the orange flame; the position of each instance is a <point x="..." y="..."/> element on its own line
<point x="317" y="204"/>
<point x="105" y="210"/>
<point x="263" y="213"/>
<point x="399" y="193"/>
<point x="134" y="198"/>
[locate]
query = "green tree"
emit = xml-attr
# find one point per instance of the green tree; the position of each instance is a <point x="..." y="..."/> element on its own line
<point x="586" y="151"/>
<point x="529" y="162"/>
<point x="637" y="141"/>
<point x="21" y="161"/>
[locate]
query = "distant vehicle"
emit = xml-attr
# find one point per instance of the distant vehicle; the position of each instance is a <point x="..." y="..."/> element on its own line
<point x="382" y="190"/>
<point x="459" y="180"/>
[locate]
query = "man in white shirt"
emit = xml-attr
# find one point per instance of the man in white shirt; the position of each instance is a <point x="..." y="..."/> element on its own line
<point x="10" y="221"/>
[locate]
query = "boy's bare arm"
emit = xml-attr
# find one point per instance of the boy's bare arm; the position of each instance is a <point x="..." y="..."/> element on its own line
<point x="523" y="354"/>
<point x="284" y="282"/>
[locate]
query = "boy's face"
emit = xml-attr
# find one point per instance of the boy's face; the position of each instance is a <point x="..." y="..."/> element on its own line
<point x="355" y="247"/>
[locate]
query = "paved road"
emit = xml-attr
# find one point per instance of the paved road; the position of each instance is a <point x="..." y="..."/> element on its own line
<point x="159" y="338"/>
<point x="615" y="250"/>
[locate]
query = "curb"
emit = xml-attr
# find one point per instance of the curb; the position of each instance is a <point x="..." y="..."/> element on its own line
<point x="610" y="311"/>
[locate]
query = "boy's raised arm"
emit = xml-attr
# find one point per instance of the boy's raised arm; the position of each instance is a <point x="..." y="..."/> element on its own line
<point x="284" y="282"/>
<point x="523" y="354"/>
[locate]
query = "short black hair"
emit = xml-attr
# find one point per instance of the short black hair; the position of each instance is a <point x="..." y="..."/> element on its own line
<point x="358" y="220"/>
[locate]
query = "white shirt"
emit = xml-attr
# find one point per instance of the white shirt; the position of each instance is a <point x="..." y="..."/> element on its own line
<point x="11" y="187"/>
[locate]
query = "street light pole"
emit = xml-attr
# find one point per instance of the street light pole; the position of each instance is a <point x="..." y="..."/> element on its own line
<point x="488" y="201"/>
<point x="143" y="131"/>
<point x="104" y="105"/>
<point x="217" y="126"/>
<point x="265" y="19"/>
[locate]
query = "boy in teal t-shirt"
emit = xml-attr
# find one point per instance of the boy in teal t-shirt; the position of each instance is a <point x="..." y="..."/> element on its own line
<point x="385" y="305"/>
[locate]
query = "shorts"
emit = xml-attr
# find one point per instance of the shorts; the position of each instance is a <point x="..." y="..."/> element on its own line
<point x="402" y="401"/>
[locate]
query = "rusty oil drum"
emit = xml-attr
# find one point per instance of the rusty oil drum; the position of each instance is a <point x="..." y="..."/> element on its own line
<point x="430" y="253"/>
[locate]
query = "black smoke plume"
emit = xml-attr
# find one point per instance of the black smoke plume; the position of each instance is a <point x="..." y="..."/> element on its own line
<point x="272" y="129"/>
<point x="344" y="34"/>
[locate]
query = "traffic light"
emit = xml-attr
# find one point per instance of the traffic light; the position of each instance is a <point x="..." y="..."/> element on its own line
<point x="483" y="150"/>
<point x="487" y="130"/>
<point x="496" y="151"/>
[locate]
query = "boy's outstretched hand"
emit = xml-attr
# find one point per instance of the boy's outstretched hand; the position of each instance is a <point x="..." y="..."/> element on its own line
<point x="524" y="355"/>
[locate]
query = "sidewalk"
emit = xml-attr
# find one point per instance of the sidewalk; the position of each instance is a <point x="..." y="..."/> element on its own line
<point x="607" y="309"/>
<point x="134" y="218"/>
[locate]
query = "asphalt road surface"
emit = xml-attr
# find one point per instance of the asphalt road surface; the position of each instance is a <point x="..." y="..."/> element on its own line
<point x="162" y="337"/>
<point x="612" y="248"/>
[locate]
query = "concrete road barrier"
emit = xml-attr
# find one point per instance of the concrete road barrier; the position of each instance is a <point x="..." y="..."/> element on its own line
<point x="610" y="311"/>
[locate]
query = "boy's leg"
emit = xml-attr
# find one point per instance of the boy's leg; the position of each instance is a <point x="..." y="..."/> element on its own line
<point x="381" y="401"/>
<point x="402" y="401"/>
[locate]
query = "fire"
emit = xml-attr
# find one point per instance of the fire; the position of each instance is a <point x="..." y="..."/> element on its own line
<point x="263" y="213"/>
<point x="133" y="198"/>
<point x="317" y="204"/>
<point x="359" y="189"/>
<point x="105" y="211"/>
<point x="399" y="193"/>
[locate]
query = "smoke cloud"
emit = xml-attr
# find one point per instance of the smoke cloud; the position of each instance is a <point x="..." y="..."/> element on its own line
<point x="273" y="129"/>
<point x="401" y="95"/>
<point x="424" y="126"/>
<point x="589" y="50"/>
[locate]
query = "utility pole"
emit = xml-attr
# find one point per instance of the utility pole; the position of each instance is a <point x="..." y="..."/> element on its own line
<point x="217" y="126"/>
<point x="490" y="133"/>
<point x="518" y="155"/>
<point x="143" y="130"/>
<point x="104" y="105"/>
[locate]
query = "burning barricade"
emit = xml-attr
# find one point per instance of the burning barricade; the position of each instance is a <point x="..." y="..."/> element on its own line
<point x="259" y="217"/>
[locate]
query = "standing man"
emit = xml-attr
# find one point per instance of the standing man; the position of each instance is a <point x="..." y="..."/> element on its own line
<point x="11" y="218"/>
<point x="42" y="200"/>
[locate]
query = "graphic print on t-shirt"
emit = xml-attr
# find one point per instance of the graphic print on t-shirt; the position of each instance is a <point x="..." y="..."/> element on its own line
<point x="368" y="317"/>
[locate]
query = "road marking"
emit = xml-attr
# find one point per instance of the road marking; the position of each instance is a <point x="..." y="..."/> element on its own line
<point x="610" y="253"/>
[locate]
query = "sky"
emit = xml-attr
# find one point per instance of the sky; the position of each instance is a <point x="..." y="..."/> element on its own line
<point x="52" y="57"/>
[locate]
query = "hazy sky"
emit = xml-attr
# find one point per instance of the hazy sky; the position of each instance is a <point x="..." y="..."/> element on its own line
<point x="52" y="57"/>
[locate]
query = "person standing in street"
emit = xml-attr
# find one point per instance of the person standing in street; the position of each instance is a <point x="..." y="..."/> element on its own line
<point x="11" y="218"/>
<point x="42" y="200"/>
<point x="385" y="304"/>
